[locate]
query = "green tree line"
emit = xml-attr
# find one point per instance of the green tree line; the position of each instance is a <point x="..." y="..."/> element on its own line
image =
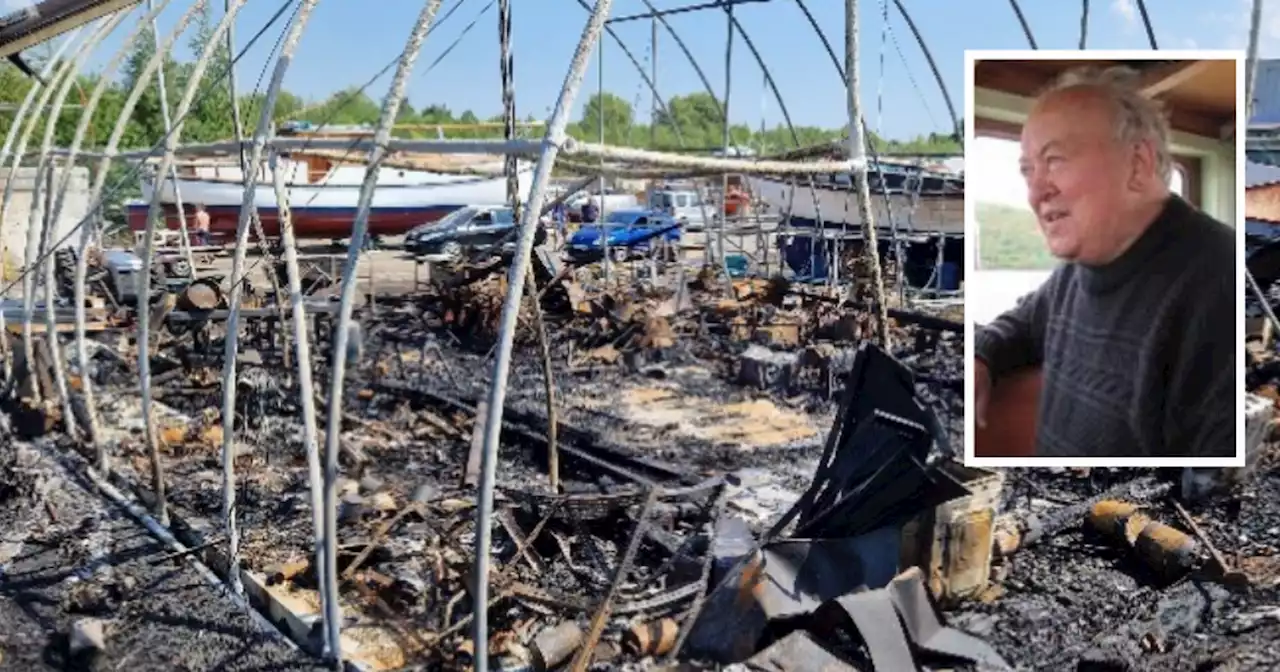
<point x="694" y="118"/>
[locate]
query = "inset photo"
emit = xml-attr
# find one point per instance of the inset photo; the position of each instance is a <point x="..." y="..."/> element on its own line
<point x="1104" y="260"/>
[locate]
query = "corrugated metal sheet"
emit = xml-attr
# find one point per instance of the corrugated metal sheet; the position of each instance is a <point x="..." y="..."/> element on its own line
<point x="1266" y="94"/>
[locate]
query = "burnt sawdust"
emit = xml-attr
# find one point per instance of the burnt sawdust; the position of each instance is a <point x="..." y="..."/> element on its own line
<point x="69" y="555"/>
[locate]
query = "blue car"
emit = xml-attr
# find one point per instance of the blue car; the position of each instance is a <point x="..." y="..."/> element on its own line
<point x="630" y="233"/>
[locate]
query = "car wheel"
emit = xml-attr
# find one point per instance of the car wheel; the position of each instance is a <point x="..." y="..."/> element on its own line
<point x="619" y="254"/>
<point x="451" y="249"/>
<point x="181" y="269"/>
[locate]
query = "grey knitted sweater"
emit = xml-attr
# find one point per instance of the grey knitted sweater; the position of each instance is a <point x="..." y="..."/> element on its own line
<point x="1138" y="356"/>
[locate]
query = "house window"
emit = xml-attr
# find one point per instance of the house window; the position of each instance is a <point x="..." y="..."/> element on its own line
<point x="1178" y="181"/>
<point x="1008" y="238"/>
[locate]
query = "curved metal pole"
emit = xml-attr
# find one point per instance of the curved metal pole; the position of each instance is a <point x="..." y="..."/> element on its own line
<point x="840" y="69"/>
<point x="184" y="242"/>
<point x="555" y="136"/>
<point x="1084" y="23"/>
<point x="1146" y="23"/>
<point x="95" y="193"/>
<point x="819" y="226"/>
<point x="33" y="92"/>
<point x="86" y="235"/>
<point x="1022" y="19"/>
<point x="390" y="109"/>
<point x="697" y="69"/>
<point x="644" y="76"/>
<point x="29" y="255"/>
<point x="247" y="210"/>
<point x="48" y="228"/>
<point x="20" y="122"/>
<point x="173" y="133"/>
<point x="302" y="346"/>
<point x="236" y="119"/>
<point x="937" y="74"/>
<point x="723" y="214"/>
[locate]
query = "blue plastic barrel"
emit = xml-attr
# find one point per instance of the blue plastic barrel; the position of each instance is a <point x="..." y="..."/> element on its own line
<point x="950" y="276"/>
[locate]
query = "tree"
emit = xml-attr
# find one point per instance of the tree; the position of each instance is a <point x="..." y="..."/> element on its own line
<point x="211" y="117"/>
<point x="617" y="115"/>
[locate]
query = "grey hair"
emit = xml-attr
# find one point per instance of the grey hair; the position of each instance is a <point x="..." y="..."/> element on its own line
<point x="1137" y="117"/>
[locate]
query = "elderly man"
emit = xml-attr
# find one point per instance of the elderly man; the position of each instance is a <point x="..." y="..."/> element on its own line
<point x="1135" y="330"/>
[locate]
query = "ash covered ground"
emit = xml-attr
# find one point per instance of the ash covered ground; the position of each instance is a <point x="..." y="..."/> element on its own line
<point x="746" y="384"/>
<point x="74" y="565"/>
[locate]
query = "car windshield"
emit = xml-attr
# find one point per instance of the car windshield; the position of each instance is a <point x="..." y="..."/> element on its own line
<point x="455" y="218"/>
<point x="622" y="217"/>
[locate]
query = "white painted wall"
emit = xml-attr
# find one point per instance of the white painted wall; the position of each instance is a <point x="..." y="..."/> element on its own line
<point x="13" y="230"/>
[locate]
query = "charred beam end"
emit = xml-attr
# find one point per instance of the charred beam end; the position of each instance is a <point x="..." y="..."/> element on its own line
<point x="904" y="316"/>
<point x="576" y="442"/>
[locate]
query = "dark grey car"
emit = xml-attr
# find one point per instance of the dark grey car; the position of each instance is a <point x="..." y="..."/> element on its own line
<point x="462" y="231"/>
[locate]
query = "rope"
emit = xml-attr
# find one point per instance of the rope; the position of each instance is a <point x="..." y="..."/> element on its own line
<point x="937" y="74"/>
<point x="507" y="67"/>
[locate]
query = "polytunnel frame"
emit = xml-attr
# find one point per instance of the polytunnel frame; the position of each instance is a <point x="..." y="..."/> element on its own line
<point x="554" y="143"/>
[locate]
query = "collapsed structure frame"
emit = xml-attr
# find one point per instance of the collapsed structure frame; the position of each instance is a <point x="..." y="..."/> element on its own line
<point x="60" y="74"/>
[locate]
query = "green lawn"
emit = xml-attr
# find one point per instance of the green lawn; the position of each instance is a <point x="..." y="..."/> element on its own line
<point x="1009" y="240"/>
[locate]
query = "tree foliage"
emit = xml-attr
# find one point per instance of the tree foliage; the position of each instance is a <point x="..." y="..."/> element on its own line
<point x="692" y="121"/>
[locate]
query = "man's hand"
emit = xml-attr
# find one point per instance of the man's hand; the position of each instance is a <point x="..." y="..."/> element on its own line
<point x="981" y="391"/>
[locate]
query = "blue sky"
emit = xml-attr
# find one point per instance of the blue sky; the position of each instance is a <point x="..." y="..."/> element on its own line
<point x="350" y="40"/>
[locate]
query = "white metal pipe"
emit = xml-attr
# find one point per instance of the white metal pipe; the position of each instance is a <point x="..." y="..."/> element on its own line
<point x="302" y="347"/>
<point x="173" y="136"/>
<point x="95" y="193"/>
<point x="19" y="122"/>
<point x="390" y="109"/>
<point x="28" y="279"/>
<point x="86" y="233"/>
<point x="49" y="227"/>
<point x="552" y="142"/>
<point x="247" y="210"/>
<point x="567" y="146"/>
<point x="36" y="211"/>
<point x="236" y="119"/>
<point x="185" y="242"/>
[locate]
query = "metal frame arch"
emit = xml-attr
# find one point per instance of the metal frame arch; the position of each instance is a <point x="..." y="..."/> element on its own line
<point x="46" y="229"/>
<point x="93" y="433"/>
<point x="382" y="134"/>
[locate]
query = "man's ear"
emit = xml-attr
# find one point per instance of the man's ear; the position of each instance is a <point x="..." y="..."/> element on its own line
<point x="1144" y="166"/>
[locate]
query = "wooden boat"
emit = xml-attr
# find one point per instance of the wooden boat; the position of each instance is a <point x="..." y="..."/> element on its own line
<point x="922" y="201"/>
<point x="323" y="197"/>
<point x="927" y="209"/>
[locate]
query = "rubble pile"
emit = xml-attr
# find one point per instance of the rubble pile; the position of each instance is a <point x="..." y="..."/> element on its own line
<point x="743" y="479"/>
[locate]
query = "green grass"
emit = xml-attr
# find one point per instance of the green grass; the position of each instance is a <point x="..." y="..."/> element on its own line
<point x="1009" y="240"/>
